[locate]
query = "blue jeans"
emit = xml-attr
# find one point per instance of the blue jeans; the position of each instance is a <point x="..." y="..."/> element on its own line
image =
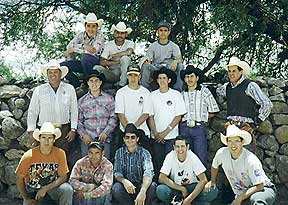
<point x="265" y="197"/>
<point x="166" y="194"/>
<point x="121" y="197"/>
<point x="63" y="194"/>
<point x="85" y="65"/>
<point x="104" y="200"/>
<point x="196" y="137"/>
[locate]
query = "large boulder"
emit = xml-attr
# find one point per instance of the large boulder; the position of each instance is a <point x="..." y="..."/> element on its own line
<point x="9" y="175"/>
<point x="279" y="108"/>
<point x="11" y="128"/>
<point x="284" y="149"/>
<point x="281" y="134"/>
<point x="13" y="154"/>
<point x="268" y="142"/>
<point x="282" y="167"/>
<point x="279" y="119"/>
<point x="265" y="127"/>
<point x="8" y="91"/>
<point x="4" y="114"/>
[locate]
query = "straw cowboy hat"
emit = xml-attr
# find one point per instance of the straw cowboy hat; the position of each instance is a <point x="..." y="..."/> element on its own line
<point x="121" y="27"/>
<point x="47" y="128"/>
<point x="242" y="64"/>
<point x="55" y="65"/>
<point x="234" y="131"/>
<point x="92" y="18"/>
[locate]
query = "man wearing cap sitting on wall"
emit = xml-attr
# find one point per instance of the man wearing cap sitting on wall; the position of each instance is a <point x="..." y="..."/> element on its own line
<point x="133" y="105"/>
<point x="200" y="105"/>
<point x="97" y="117"/>
<point x="162" y="52"/>
<point x="92" y="177"/>
<point x="42" y="171"/>
<point x="133" y="171"/>
<point x="89" y="44"/>
<point x="115" y="58"/>
<point x="243" y="170"/>
<point x="55" y="102"/>
<point x="167" y="109"/>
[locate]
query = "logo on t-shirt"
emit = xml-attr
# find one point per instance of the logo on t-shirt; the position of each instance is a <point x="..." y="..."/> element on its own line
<point x="169" y="102"/>
<point x="257" y="172"/>
<point x="141" y="100"/>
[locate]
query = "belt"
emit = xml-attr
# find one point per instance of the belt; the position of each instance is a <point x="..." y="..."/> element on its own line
<point x="57" y="125"/>
<point x="197" y="123"/>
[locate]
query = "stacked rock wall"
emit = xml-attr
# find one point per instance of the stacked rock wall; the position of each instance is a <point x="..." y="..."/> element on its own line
<point x="272" y="138"/>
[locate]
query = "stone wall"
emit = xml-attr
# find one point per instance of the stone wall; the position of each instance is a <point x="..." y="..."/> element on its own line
<point x="272" y="139"/>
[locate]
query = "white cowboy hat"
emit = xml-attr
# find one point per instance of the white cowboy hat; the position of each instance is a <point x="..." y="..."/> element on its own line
<point x="54" y="65"/>
<point x="121" y="27"/>
<point x="92" y="18"/>
<point x="47" y="128"/>
<point x="242" y="64"/>
<point x="234" y="131"/>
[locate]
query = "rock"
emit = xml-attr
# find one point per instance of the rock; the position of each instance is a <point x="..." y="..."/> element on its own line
<point x="260" y="153"/>
<point x="286" y="93"/>
<point x="20" y="103"/>
<point x="279" y="119"/>
<point x="11" y="103"/>
<point x="13" y="154"/>
<point x="261" y="82"/>
<point x="217" y="124"/>
<point x="209" y="133"/>
<point x="11" y="128"/>
<point x="4" y="106"/>
<point x="265" y="127"/>
<point x="222" y="114"/>
<point x="9" y="175"/>
<point x="280" y="97"/>
<point x="8" y="91"/>
<point x="277" y="82"/>
<point x="3" y="81"/>
<point x="17" y="113"/>
<point x="279" y="108"/>
<point x="13" y="192"/>
<point x="265" y="91"/>
<point x="284" y="149"/>
<point x="24" y="92"/>
<point x="215" y="143"/>
<point x="275" y="90"/>
<point x="24" y="140"/>
<point x="3" y="160"/>
<point x="268" y="142"/>
<point x="270" y="153"/>
<point x="24" y="118"/>
<point x="281" y="134"/>
<point x="4" y="143"/>
<point x="270" y="164"/>
<point x="282" y="167"/>
<point x="4" y="114"/>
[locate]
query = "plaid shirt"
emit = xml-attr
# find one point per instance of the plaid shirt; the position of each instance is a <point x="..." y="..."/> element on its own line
<point x="96" y="115"/>
<point x="84" y="173"/>
<point x="133" y="166"/>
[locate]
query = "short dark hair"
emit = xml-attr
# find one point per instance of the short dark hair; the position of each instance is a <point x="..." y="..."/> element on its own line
<point x="181" y="137"/>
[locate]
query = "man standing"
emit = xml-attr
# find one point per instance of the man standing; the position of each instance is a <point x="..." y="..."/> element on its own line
<point x="133" y="171"/>
<point x="167" y="109"/>
<point x="90" y="44"/>
<point x="54" y="102"/>
<point x="200" y="105"/>
<point x="92" y="177"/>
<point x="42" y="171"/>
<point x="115" y="58"/>
<point x="133" y="105"/>
<point x="162" y="52"/>
<point x="243" y="170"/>
<point x="183" y="174"/>
<point x="97" y="117"/>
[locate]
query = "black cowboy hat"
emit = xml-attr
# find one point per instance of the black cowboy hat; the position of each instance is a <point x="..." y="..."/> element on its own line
<point x="96" y="74"/>
<point x="170" y="74"/>
<point x="191" y="69"/>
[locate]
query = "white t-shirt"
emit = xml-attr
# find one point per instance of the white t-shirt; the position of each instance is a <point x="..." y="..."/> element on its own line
<point x="133" y="103"/>
<point x="166" y="106"/>
<point x="242" y="173"/>
<point x="189" y="169"/>
<point x="111" y="48"/>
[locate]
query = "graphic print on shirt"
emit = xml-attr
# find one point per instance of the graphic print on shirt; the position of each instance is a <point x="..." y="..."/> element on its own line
<point x="42" y="174"/>
<point x="183" y="177"/>
<point x="238" y="184"/>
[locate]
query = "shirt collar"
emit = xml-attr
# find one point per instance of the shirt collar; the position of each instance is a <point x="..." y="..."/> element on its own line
<point x="127" y="151"/>
<point x="238" y="82"/>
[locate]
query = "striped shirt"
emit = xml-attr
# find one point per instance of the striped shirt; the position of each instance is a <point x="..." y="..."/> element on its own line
<point x="97" y="41"/>
<point x="58" y="108"/>
<point x="133" y="166"/>
<point x="84" y="173"/>
<point x="254" y="91"/>
<point x="96" y="115"/>
<point x="199" y="103"/>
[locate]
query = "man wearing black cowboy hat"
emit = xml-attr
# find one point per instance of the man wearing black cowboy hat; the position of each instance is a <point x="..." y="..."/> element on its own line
<point x="97" y="117"/>
<point x="167" y="109"/>
<point x="200" y="105"/>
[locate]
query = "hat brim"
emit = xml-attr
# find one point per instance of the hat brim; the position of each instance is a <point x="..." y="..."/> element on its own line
<point x="133" y="72"/>
<point x="100" y="76"/>
<point x="113" y="29"/>
<point x="189" y="71"/>
<point x="246" y="69"/>
<point x="64" y="70"/>
<point x="170" y="74"/>
<point x="37" y="133"/>
<point x="245" y="136"/>
<point x="99" y="22"/>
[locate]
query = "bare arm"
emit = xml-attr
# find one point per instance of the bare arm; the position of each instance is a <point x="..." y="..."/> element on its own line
<point x="141" y="119"/>
<point x="123" y="119"/>
<point x="105" y="62"/>
<point x="152" y="125"/>
<point x="248" y="193"/>
<point x="164" y="179"/>
<point x="21" y="186"/>
<point x="212" y="182"/>
<point x="141" y="196"/>
<point x="128" y="52"/>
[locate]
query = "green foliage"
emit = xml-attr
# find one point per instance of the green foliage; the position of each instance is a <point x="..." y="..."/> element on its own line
<point x="6" y="72"/>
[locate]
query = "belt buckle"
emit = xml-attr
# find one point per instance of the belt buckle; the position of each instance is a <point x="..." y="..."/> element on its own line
<point x="57" y="125"/>
<point x="191" y="123"/>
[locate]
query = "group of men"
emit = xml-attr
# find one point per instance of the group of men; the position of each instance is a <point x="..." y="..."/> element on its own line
<point x="158" y="128"/>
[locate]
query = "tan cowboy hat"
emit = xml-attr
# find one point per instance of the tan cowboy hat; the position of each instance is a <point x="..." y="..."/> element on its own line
<point x="54" y="65"/>
<point x="47" y="128"/>
<point x="92" y="18"/>
<point x="234" y="131"/>
<point x="121" y="27"/>
<point x="242" y="64"/>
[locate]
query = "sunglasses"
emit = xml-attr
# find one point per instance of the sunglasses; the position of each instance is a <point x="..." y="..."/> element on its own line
<point x="133" y="137"/>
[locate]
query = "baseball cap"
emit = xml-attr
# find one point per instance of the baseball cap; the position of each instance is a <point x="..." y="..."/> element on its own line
<point x="95" y="144"/>
<point x="163" y="24"/>
<point x="133" y="69"/>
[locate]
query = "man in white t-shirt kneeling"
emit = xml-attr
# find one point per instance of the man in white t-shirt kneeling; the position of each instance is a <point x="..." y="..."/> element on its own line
<point x="178" y="177"/>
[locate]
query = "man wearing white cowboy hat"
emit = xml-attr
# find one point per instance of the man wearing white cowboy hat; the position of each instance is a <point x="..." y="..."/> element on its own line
<point x="115" y="58"/>
<point x="90" y="44"/>
<point x="56" y="102"/>
<point x="42" y="171"/>
<point x="245" y="94"/>
<point x="243" y="170"/>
